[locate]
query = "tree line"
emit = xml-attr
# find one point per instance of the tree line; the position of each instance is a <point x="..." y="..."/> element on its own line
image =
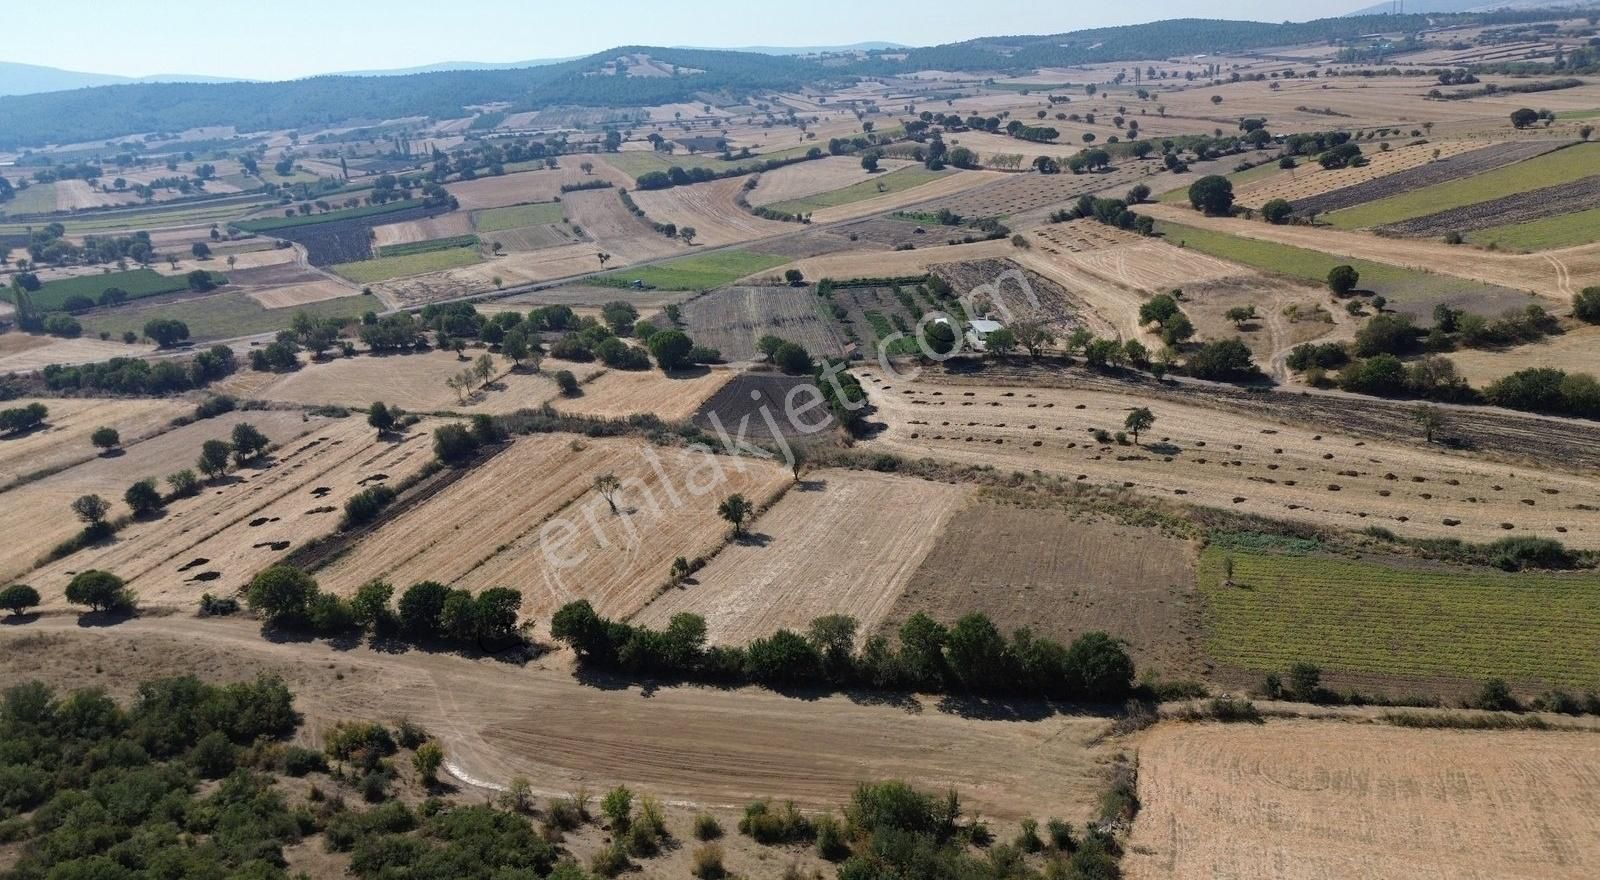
<point x="971" y="656"/>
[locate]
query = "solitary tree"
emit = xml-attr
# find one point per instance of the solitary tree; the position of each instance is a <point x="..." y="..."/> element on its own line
<point x="1240" y="314"/>
<point x="100" y="590"/>
<point x="604" y="258"/>
<point x="1343" y="279"/>
<point x="143" y="498"/>
<point x="248" y="442"/>
<point x="607" y="485"/>
<point x="18" y="598"/>
<point x="688" y="234"/>
<point x="281" y="593"/>
<point x="381" y="418"/>
<point x="106" y="438"/>
<point x="1430" y="419"/>
<point x="737" y="510"/>
<point x="1276" y="211"/>
<point x="1212" y="194"/>
<point x="92" y="509"/>
<point x="429" y="756"/>
<point x="213" y="460"/>
<point x="1138" y="421"/>
<point x="1524" y="117"/>
<point x="483" y="368"/>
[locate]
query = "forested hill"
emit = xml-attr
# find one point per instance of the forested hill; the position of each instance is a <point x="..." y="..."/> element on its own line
<point x="1163" y="39"/>
<point x="95" y="114"/>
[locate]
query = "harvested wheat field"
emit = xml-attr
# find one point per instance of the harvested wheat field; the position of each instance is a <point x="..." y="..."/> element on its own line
<point x="494" y="526"/>
<point x="525" y="186"/>
<point x="1062" y="574"/>
<point x="948" y="186"/>
<point x="804" y="179"/>
<point x="64" y="439"/>
<point x="547" y="264"/>
<point x="37" y="516"/>
<point x="413" y="382"/>
<point x="689" y="746"/>
<point x="840" y="542"/>
<point x="709" y="208"/>
<point x="1228" y="460"/>
<point x="1576" y="351"/>
<point x="1311" y="180"/>
<point x="215" y="542"/>
<point x="1308" y="799"/>
<point x="616" y="394"/>
<point x="443" y="226"/>
<point x="24" y="353"/>
<point x="602" y="216"/>
<point x="288" y="296"/>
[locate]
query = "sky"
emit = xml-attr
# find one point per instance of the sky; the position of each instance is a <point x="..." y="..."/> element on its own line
<point x="284" y="39"/>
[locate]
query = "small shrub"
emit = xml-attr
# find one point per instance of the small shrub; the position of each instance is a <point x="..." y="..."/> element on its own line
<point x="706" y="827"/>
<point x="707" y="863"/>
<point x="298" y="761"/>
<point x="831" y="841"/>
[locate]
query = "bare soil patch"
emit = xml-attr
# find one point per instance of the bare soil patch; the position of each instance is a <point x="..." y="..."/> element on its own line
<point x="842" y="542"/>
<point x="1307" y="799"/>
<point x="1061" y="575"/>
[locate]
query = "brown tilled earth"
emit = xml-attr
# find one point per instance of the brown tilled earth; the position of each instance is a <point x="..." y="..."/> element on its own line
<point x="1063" y="574"/>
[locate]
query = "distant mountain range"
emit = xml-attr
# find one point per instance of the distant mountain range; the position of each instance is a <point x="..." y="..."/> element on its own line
<point x="32" y="79"/>
<point x="28" y="79"/>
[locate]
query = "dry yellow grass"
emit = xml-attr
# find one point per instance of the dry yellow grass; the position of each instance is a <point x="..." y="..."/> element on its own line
<point x="1576" y="351"/>
<point x="804" y="179"/>
<point x="843" y="542"/>
<point x="288" y="296"/>
<point x="444" y="226"/>
<point x="619" y="393"/>
<point x="65" y="437"/>
<point x="22" y="353"/>
<point x="948" y="185"/>
<point x="1304" y="800"/>
<point x="527" y="186"/>
<point x="413" y="382"/>
<point x="877" y="265"/>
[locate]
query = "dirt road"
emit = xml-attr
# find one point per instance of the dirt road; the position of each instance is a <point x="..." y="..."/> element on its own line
<point x="686" y="744"/>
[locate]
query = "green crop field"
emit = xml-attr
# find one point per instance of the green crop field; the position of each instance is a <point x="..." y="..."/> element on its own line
<point x="226" y="316"/>
<point x="432" y="244"/>
<point x="1577" y="114"/>
<point x="39" y="198"/>
<point x="270" y="224"/>
<point x="1401" y="286"/>
<point x="1389" y="620"/>
<point x="891" y="182"/>
<point x="516" y="216"/>
<point x="1551" y="169"/>
<point x="696" y="273"/>
<point x="138" y="283"/>
<point x="386" y="268"/>
<point x="1565" y="230"/>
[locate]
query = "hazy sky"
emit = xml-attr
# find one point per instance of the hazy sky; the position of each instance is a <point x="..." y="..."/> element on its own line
<point x="291" y="38"/>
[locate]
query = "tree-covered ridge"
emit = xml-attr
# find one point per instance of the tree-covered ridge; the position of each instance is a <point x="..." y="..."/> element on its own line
<point x="1165" y="39"/>
<point x="112" y="111"/>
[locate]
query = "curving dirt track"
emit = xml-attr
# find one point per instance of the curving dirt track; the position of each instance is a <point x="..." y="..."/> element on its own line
<point x="689" y="745"/>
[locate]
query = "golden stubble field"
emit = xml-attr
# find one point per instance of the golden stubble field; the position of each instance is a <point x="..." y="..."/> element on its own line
<point x="1311" y="180"/>
<point x="531" y="519"/>
<point x="1226" y="460"/>
<point x="1305" y="800"/>
<point x="841" y="542"/>
<point x="35" y="517"/>
<point x="64" y="439"/>
<point x="216" y="542"/>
